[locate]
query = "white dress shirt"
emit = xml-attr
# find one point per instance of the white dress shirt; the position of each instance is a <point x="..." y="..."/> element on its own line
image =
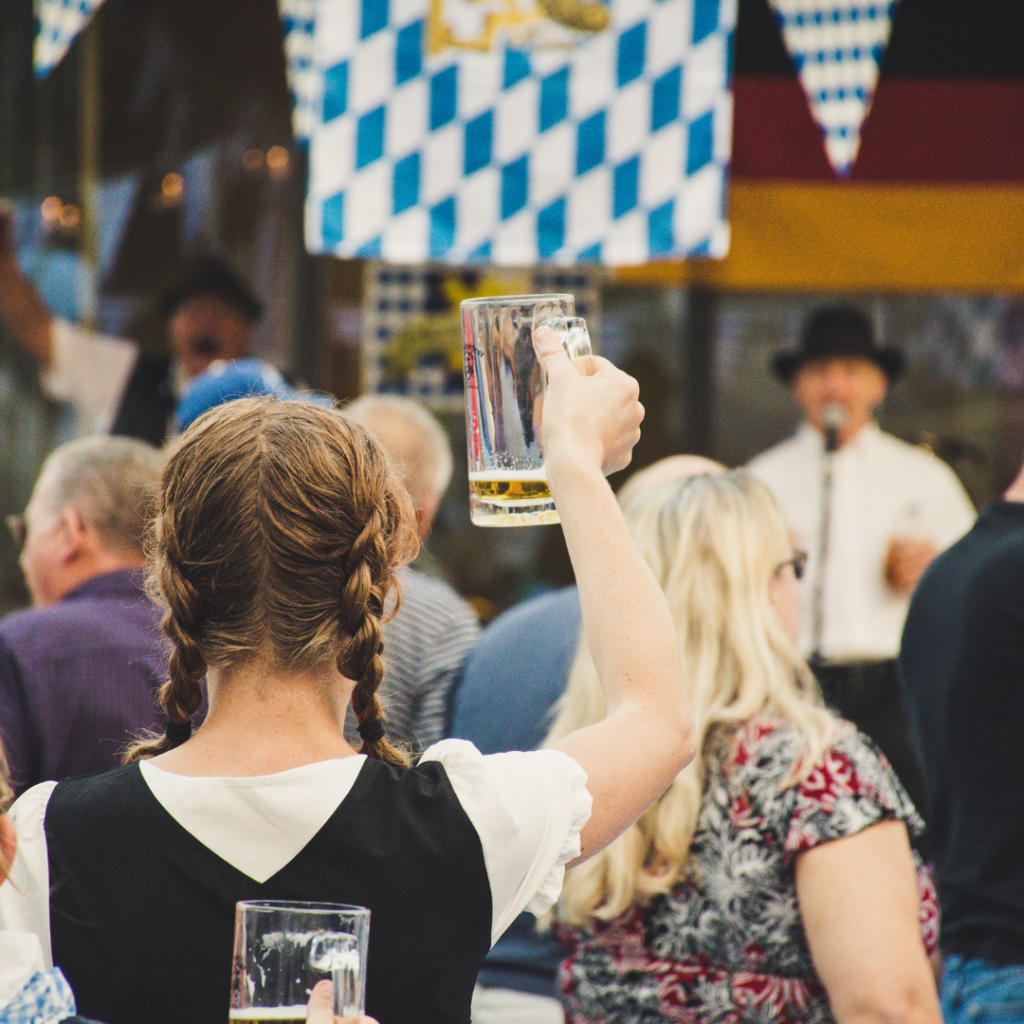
<point x="882" y="488"/>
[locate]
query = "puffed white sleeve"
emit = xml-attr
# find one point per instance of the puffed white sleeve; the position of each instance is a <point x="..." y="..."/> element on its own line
<point x="89" y="371"/>
<point x="528" y="810"/>
<point x="25" y="905"/>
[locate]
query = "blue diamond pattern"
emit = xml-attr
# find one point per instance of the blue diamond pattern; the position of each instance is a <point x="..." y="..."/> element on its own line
<point x="442" y="227"/>
<point x="333" y="220"/>
<point x="374" y="19"/>
<point x="551" y="229"/>
<point x="517" y="67"/>
<point x="528" y="105"/>
<point x="406" y="188"/>
<point x="665" y="91"/>
<point x="335" y="91"/>
<point x="659" y="229"/>
<point x="590" y="143"/>
<point x="56" y="33"/>
<point x="706" y="16"/>
<point x="408" y="52"/>
<point x="845" y="44"/>
<point x="632" y="45"/>
<point x="370" y="137"/>
<point x="479" y="141"/>
<point x="554" y="99"/>
<point x="626" y="187"/>
<point x="515" y="181"/>
<point x="701" y="143"/>
<point x="443" y="97"/>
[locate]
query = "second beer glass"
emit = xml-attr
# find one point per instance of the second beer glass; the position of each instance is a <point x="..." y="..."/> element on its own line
<point x="283" y="949"/>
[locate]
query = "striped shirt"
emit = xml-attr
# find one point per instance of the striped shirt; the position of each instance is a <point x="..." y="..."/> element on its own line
<point x="424" y="648"/>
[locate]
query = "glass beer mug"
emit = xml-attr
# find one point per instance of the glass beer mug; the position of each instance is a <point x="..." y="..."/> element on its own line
<point x="504" y="403"/>
<point x="283" y="949"/>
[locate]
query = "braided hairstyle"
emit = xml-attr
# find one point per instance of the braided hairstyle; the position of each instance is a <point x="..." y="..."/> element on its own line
<point x="280" y="527"/>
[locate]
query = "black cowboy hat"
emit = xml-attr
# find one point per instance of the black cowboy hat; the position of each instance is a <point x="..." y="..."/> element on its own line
<point x="837" y="332"/>
<point x="213" y="276"/>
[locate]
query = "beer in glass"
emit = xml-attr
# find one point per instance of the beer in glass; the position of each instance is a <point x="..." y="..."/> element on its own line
<point x="508" y="485"/>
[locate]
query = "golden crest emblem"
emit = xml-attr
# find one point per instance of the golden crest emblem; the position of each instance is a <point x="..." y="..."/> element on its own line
<point x="482" y="25"/>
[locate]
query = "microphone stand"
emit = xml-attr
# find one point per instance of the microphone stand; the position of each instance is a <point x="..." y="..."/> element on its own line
<point x="831" y="433"/>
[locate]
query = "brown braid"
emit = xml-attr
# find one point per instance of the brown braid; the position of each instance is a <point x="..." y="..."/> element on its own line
<point x="360" y="659"/>
<point x="279" y="531"/>
<point x="182" y="695"/>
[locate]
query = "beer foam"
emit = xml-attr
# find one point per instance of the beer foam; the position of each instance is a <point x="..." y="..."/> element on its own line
<point x="526" y="475"/>
<point x="268" y="1013"/>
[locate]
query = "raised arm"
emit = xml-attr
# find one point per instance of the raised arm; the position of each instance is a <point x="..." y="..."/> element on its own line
<point x="22" y="310"/>
<point x="589" y="427"/>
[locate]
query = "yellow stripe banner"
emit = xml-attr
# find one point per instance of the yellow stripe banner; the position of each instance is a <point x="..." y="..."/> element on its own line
<point x="798" y="236"/>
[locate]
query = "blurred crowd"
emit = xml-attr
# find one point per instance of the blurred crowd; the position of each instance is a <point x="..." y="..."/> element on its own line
<point x="759" y="764"/>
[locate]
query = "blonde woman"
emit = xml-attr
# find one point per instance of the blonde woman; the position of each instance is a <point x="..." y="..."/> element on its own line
<point x="774" y="879"/>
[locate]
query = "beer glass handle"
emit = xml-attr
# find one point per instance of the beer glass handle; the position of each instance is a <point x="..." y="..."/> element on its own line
<point x="339" y="954"/>
<point x="575" y="338"/>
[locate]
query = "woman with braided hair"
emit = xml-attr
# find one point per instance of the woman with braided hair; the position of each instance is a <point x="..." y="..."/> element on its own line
<point x="279" y="531"/>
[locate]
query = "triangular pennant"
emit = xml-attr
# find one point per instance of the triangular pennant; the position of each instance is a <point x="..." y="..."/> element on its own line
<point x="298" y="23"/>
<point x="58" y="22"/>
<point x="837" y="47"/>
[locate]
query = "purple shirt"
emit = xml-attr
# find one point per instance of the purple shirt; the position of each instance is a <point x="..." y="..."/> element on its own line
<point x="78" y="678"/>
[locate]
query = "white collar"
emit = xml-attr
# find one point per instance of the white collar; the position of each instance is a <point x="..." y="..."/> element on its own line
<point x="810" y="435"/>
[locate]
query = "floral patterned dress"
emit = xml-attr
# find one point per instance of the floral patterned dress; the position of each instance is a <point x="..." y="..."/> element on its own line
<point x="727" y="944"/>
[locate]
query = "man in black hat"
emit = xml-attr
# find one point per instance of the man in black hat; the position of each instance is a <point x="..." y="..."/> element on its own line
<point x="871" y="512"/>
<point x="209" y="315"/>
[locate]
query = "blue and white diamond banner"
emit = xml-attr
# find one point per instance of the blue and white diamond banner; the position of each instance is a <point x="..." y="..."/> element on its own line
<point x="837" y="47"/>
<point x="58" y="22"/>
<point x="516" y="132"/>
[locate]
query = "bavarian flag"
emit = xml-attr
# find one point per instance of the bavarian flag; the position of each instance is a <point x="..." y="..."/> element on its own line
<point x="515" y="132"/>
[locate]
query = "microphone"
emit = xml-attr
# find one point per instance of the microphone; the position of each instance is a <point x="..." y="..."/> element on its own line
<point x="833" y="417"/>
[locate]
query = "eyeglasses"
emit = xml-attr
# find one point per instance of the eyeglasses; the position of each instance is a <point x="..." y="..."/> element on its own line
<point x="798" y="561"/>
<point x="17" y="529"/>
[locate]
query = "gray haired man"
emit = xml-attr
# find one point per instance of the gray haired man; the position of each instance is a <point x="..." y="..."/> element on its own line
<point x="78" y="670"/>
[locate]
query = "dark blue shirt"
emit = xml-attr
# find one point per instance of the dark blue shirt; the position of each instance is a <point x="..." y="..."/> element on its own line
<point x="515" y="672"/>
<point x="78" y="678"/>
<point x="962" y="664"/>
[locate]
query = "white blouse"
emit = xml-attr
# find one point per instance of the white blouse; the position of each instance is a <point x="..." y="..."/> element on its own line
<point x="527" y="808"/>
<point x="882" y="488"/>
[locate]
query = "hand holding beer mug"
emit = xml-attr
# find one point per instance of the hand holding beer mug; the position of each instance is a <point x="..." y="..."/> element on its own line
<point x="321" y="1007"/>
<point x="504" y="401"/>
<point x="282" y="950"/>
<point x="591" y="420"/>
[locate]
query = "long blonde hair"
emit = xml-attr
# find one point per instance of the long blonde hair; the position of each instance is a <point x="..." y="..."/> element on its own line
<point x="714" y="543"/>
